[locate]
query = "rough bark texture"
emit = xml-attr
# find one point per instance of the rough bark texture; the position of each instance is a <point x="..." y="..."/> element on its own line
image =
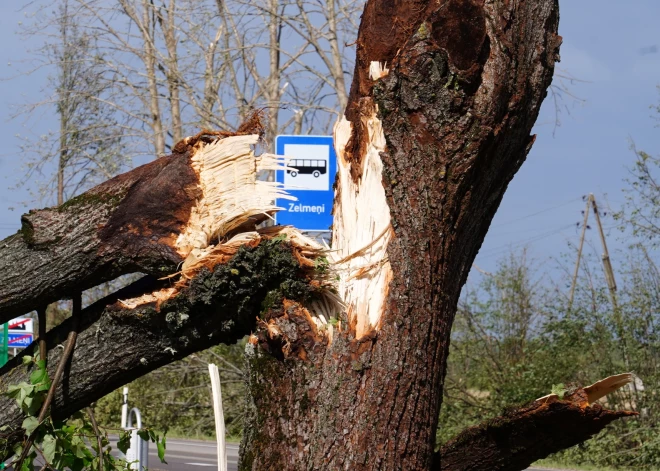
<point x="127" y="224"/>
<point x="116" y="345"/>
<point x="514" y="441"/>
<point x="466" y="81"/>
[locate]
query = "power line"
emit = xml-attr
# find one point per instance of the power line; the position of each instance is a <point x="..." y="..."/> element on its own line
<point x="506" y="247"/>
<point x="538" y="212"/>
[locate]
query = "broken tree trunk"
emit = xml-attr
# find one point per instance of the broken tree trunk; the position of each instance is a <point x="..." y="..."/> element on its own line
<point x="443" y="100"/>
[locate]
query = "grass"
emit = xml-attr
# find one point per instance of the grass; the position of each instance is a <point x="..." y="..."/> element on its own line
<point x="551" y="464"/>
<point x="173" y="433"/>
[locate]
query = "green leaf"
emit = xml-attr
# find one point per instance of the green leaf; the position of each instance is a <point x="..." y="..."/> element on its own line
<point x="39" y="375"/>
<point x="49" y="447"/>
<point x="559" y="389"/>
<point x="27" y="359"/>
<point x="13" y="391"/>
<point x="28" y="464"/>
<point x="124" y="441"/>
<point x="32" y="404"/>
<point x="143" y="434"/>
<point x="161" y="450"/>
<point x="30" y="424"/>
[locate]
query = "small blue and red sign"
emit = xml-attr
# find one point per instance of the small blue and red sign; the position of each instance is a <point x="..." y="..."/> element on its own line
<point x="19" y="340"/>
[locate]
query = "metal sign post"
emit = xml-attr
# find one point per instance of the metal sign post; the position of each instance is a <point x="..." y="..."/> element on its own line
<point x="137" y="456"/>
<point x="309" y="177"/>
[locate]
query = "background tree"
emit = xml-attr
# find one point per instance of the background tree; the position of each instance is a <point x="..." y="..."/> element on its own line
<point x="87" y="147"/>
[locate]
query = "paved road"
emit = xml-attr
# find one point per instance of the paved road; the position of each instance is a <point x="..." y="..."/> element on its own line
<point x="196" y="455"/>
<point x="183" y="455"/>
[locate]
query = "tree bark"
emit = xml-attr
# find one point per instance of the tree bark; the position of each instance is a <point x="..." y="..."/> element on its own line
<point x="443" y="100"/>
<point x="99" y="236"/>
<point x="521" y="437"/>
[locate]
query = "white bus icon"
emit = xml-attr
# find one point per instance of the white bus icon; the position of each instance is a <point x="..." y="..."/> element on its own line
<point x="306" y="167"/>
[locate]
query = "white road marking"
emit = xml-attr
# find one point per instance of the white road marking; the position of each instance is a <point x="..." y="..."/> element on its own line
<point x="201" y="464"/>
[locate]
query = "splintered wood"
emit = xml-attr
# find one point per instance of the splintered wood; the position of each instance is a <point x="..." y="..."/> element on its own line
<point x="590" y="394"/>
<point x="362" y="229"/>
<point x="232" y="195"/>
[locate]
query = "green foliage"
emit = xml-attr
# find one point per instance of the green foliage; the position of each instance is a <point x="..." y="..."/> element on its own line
<point x="514" y="341"/>
<point x="64" y="444"/>
<point x="559" y="390"/>
<point x="177" y="398"/>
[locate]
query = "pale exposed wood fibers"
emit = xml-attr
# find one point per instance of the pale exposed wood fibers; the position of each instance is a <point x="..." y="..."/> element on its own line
<point x="598" y="390"/>
<point x="232" y="195"/>
<point x="362" y="229"/>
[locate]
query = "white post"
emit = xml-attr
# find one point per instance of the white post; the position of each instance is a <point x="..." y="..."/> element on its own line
<point x="219" y="416"/>
<point x="124" y="410"/>
<point x="138" y="454"/>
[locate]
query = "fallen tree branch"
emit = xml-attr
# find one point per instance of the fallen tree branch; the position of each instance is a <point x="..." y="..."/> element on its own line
<point x="151" y="220"/>
<point x="154" y="322"/>
<point x="515" y="440"/>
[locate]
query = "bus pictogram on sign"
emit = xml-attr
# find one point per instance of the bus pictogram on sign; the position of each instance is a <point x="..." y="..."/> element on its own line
<point x="307" y="167"/>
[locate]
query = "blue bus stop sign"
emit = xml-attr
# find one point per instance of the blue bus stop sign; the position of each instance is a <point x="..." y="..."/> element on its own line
<point x="309" y="177"/>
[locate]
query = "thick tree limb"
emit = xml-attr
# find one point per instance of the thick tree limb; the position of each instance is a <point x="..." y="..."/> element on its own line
<point x="117" y="344"/>
<point x="149" y="220"/>
<point x="514" y="441"/>
<point x="90" y="239"/>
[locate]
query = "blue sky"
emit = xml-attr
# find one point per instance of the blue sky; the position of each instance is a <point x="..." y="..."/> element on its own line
<point x="607" y="44"/>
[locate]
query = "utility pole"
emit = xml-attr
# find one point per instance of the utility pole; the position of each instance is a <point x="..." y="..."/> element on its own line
<point x="611" y="283"/>
<point x="579" y="256"/>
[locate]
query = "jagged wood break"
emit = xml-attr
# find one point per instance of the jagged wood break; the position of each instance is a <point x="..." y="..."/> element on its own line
<point x="152" y="220"/>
